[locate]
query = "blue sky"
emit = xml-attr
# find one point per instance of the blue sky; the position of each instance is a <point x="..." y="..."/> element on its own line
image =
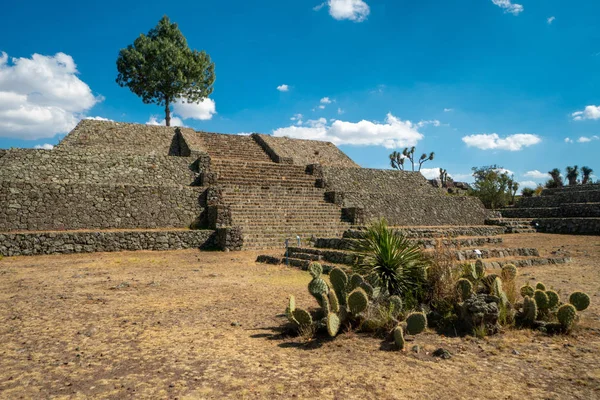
<point x="445" y="76"/>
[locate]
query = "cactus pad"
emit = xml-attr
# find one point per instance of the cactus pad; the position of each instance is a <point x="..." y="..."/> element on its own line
<point x="566" y="315"/>
<point x="540" y="286"/>
<point x="527" y="291"/>
<point x="553" y="298"/>
<point x="302" y="317"/>
<point x="333" y="324"/>
<point x="416" y="323"/>
<point x="580" y="300"/>
<point x="315" y="269"/>
<point x="355" y="281"/>
<point x="357" y="301"/>
<point x="317" y="287"/>
<point x="530" y="310"/>
<point x="399" y="337"/>
<point x="339" y="282"/>
<point x="509" y="272"/>
<point x="396" y="305"/>
<point x="541" y="300"/>
<point x="479" y="269"/>
<point x="334" y="304"/>
<point x="464" y="288"/>
<point x="367" y="288"/>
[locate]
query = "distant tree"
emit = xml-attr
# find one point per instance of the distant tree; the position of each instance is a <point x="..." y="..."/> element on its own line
<point x="527" y="192"/>
<point x="443" y="177"/>
<point x="572" y="175"/>
<point x="492" y="186"/>
<point x="162" y="69"/>
<point x="397" y="159"/>
<point x="513" y="186"/>
<point x="556" y="179"/>
<point x="586" y="173"/>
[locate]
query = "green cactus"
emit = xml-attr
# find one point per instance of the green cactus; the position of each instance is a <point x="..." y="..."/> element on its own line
<point x="399" y="337"/>
<point x="355" y="281"/>
<point x="580" y="300"/>
<point x="541" y="300"/>
<point x="488" y="282"/>
<point x="367" y="288"/>
<point x="358" y="301"/>
<point x="416" y="323"/>
<point x="527" y="290"/>
<point x="292" y="303"/>
<point x="469" y="272"/>
<point x="396" y="305"/>
<point x="289" y="311"/>
<point x="315" y="269"/>
<point x="302" y="317"/>
<point x="339" y="281"/>
<point x="334" y="304"/>
<point x="566" y="315"/>
<point x="553" y="298"/>
<point x="479" y="269"/>
<point x="325" y="306"/>
<point x="464" y="288"/>
<point x="319" y="289"/>
<point x="530" y="310"/>
<point x="498" y="291"/>
<point x="333" y="324"/>
<point x="509" y="272"/>
<point x="540" y="286"/>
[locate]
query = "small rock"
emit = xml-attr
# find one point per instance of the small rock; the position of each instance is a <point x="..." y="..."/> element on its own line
<point x="416" y="348"/>
<point x="442" y="353"/>
<point x="515" y="352"/>
<point x="235" y="323"/>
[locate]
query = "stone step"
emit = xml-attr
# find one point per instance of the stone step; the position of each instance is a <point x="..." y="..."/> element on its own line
<point x="569" y="226"/>
<point x="457" y="243"/>
<point x="569" y="210"/>
<point x="266" y="182"/>
<point x="436" y="231"/>
<point x="234" y="147"/>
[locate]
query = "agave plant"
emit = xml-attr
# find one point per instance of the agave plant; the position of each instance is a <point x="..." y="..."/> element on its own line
<point x="586" y="172"/>
<point x="572" y="175"/>
<point x="399" y="264"/>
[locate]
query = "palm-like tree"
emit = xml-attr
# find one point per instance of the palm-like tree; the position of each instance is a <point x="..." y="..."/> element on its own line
<point x="572" y="175"/>
<point x="586" y="172"/>
<point x="556" y="180"/>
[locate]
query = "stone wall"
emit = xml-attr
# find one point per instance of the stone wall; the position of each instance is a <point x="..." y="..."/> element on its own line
<point x="305" y="152"/>
<point x="32" y="243"/>
<point x="125" y="138"/>
<point x="62" y="166"/>
<point x="3" y="152"/>
<point x="569" y="226"/>
<point x="561" y="197"/>
<point x="51" y="206"/>
<point x="567" y="210"/>
<point x="402" y="198"/>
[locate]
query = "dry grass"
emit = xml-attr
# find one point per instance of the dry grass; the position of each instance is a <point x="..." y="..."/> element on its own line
<point x="159" y="325"/>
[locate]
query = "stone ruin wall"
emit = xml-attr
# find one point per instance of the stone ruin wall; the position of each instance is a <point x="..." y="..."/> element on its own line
<point x="402" y="198"/>
<point x="304" y="152"/>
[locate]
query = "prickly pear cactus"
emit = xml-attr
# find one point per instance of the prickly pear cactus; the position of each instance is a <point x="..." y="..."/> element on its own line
<point x="396" y="305"/>
<point x="580" y="300"/>
<point x="289" y="311"/>
<point x="566" y="315"/>
<point x="527" y="290"/>
<point x="292" y="303"/>
<point x="358" y="301"/>
<point x="416" y="323"/>
<point x="509" y="272"/>
<point x="530" y="309"/>
<point x="318" y="288"/>
<point x="469" y="272"/>
<point x="302" y="317"/>
<point x="498" y="291"/>
<point x="325" y="306"/>
<point x="399" y="337"/>
<point x="334" y="304"/>
<point x="315" y="269"/>
<point x="464" y="288"/>
<point x="355" y="281"/>
<point x="333" y="324"/>
<point x="367" y="288"/>
<point x="553" y="298"/>
<point x="479" y="269"/>
<point x="541" y="300"/>
<point x="339" y="281"/>
<point x="540" y="286"/>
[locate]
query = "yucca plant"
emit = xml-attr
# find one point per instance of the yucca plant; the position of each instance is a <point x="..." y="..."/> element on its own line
<point x="399" y="264"/>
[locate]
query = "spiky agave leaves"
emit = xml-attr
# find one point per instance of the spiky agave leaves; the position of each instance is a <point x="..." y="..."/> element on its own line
<point x="358" y="301"/>
<point x="399" y="263"/>
<point x="580" y="300"/>
<point x="566" y="315"/>
<point x="416" y="323"/>
<point x="399" y="337"/>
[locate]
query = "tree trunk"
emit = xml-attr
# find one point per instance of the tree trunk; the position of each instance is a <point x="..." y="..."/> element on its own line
<point x="167" y="113"/>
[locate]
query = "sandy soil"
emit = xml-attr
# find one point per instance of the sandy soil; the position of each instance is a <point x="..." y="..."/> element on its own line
<point x="195" y="325"/>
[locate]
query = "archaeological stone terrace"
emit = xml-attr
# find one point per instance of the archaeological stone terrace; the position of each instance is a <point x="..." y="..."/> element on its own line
<point x="117" y="186"/>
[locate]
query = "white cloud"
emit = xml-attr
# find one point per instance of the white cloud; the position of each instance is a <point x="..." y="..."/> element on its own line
<point x="392" y="134"/>
<point x="318" y="7"/>
<point x="325" y="100"/>
<point x="175" y="121"/>
<point x="590" y="112"/>
<point x="509" y="7"/>
<point x="448" y="109"/>
<point x="527" y="184"/>
<point x="551" y="20"/>
<point x="504" y="171"/>
<point x="41" y="96"/>
<point x="99" y="119"/>
<point x="535" y="174"/>
<point x="203" y="110"/>
<point x="462" y="177"/>
<point x="568" y="140"/>
<point x="340" y="111"/>
<point x="492" y="141"/>
<point x="430" y="173"/>
<point x="322" y="106"/>
<point x="45" y="146"/>
<point x="585" y="139"/>
<point x="353" y="10"/>
<point x="433" y="122"/>
<point x="283" y="88"/>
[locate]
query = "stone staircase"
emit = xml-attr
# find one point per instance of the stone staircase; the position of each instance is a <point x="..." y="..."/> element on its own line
<point x="513" y="225"/>
<point x="332" y="252"/>
<point x="270" y="202"/>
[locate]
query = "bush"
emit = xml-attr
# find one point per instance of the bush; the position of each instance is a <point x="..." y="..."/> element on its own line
<point x="528" y="192"/>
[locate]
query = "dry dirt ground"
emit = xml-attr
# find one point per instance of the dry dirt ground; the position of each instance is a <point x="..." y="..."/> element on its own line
<point x="164" y="325"/>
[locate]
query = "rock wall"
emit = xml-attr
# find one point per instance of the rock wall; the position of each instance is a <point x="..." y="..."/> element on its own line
<point x="62" y="166"/>
<point x="568" y="226"/>
<point x="32" y="243"/>
<point x="51" y="206"/>
<point x="402" y="198"/>
<point x="305" y="152"/>
<point x="561" y="197"/>
<point x="567" y="210"/>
